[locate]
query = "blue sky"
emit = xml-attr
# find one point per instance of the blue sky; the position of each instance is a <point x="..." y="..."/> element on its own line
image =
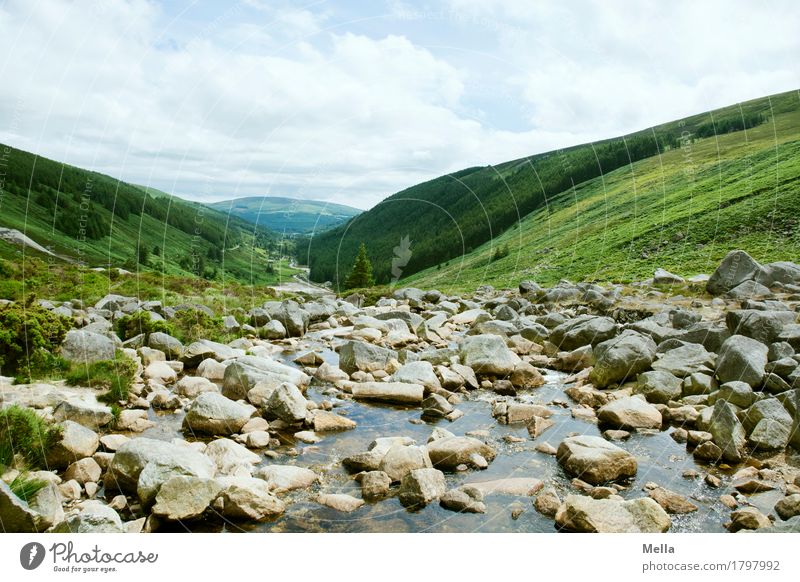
<point x="353" y="101"/>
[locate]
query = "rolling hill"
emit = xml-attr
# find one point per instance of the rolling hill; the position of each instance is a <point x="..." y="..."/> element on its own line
<point x="678" y="195"/>
<point x="288" y="215"/>
<point x="99" y="221"/>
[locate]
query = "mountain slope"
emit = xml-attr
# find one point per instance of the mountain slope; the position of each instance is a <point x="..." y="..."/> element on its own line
<point x="288" y="215"/>
<point x="448" y="217"/>
<point x="100" y="221"/>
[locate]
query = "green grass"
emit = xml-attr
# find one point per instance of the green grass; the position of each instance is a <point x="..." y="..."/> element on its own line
<point x="113" y="376"/>
<point x="26" y="487"/>
<point x="24" y="433"/>
<point x="683" y="211"/>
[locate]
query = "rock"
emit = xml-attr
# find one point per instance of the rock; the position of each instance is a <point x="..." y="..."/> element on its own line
<point x="171" y="346"/>
<point x="212" y="413"/>
<point x="664" y="277"/>
<point x="672" y="502"/>
<point x="87" y="347"/>
<point x="211" y="369"/>
<point x="76" y="442"/>
<point x="463" y="500"/>
<point x="748" y="518"/>
<point x="308" y="359"/>
<point x="133" y="420"/>
<point x="84" y="471"/>
<point x="682" y="361"/>
<point x="526" y="376"/>
<point x="324" y="421"/>
<point x="621" y="357"/>
<point x="547" y="502"/>
<point x="769" y="408"/>
<point x="394" y="392"/>
<point x="340" y="502"/>
<point x="582" y="331"/>
<point x="763" y="326"/>
<point x="421" y="486"/>
<point x="193" y="386"/>
<point x="288" y="404"/>
<point x="183" y="498"/>
<point x="282" y="478"/>
<point x="93" y="517"/>
<point x="15" y="515"/>
<point x="595" y="460"/>
<point x="142" y="465"/>
<point x="448" y="453"/>
<point x="748" y="290"/>
<point x="708" y="451"/>
<point x="742" y="359"/>
<point x="769" y="434"/>
<point x="537" y="425"/>
<point x="243" y="374"/>
<point x="727" y="432"/>
<point x="436" y="406"/>
<point x="90" y="414"/>
<point x="519" y="486"/>
<point x="658" y="386"/>
<point x="329" y="373"/>
<point x="788" y="507"/>
<point x="737" y="393"/>
<point x="248" y="498"/>
<point x="698" y="384"/>
<point x="418" y="373"/>
<point x="375" y="485"/>
<point x="630" y="413"/>
<point x="294" y="318"/>
<point x="399" y="460"/>
<point x="161" y="372"/>
<point x="736" y="268"/>
<point x="231" y="458"/>
<point x="584" y="514"/>
<point x="356" y="355"/>
<point x="488" y="355"/>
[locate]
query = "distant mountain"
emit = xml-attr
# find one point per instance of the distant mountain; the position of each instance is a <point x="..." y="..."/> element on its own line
<point x="288" y="215"/>
<point x="678" y="196"/>
<point x="52" y="209"/>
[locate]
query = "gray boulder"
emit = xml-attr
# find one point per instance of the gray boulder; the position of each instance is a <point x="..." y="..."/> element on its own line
<point x="742" y="359"/>
<point x="658" y="386"/>
<point x="356" y="355"/>
<point x="584" y="514"/>
<point x="287" y="403"/>
<point x="87" y="347"/>
<point x="172" y="347"/>
<point x="421" y="486"/>
<point x="583" y="330"/>
<point x="488" y="355"/>
<point x="212" y="413"/>
<point x="736" y="268"/>
<point x="630" y="413"/>
<point x="595" y="460"/>
<point x="727" y="432"/>
<point x="621" y="357"/>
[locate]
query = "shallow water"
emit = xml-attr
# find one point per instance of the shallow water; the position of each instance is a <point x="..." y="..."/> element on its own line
<point x="660" y="459"/>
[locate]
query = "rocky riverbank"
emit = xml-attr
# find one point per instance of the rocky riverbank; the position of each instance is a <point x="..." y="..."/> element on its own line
<point x="667" y="405"/>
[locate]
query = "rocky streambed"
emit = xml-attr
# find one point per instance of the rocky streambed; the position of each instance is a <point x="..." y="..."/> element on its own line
<point x="669" y="405"/>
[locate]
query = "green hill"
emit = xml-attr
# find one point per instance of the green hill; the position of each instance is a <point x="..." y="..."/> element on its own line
<point x="288" y="215"/>
<point x="97" y="220"/>
<point x="678" y="195"/>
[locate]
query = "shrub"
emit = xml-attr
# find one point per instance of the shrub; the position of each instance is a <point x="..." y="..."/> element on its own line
<point x="113" y="376"/>
<point x="129" y="326"/>
<point x="190" y="325"/>
<point x="24" y="433"/>
<point x="29" y="338"/>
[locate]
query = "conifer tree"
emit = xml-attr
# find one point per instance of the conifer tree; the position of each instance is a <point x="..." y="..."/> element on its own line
<point x="361" y="275"/>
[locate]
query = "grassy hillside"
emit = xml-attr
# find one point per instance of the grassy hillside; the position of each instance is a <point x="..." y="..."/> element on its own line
<point x="100" y="221"/>
<point x="288" y="215"/>
<point x="682" y="210"/>
<point x="619" y="193"/>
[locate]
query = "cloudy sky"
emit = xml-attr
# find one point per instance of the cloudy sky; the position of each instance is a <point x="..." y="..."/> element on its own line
<point x="351" y="101"/>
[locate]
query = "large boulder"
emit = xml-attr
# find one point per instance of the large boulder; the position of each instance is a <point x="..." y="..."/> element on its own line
<point x="421" y="486"/>
<point x="243" y="374"/>
<point x="203" y="349"/>
<point x="727" y="432"/>
<point x="595" y="460"/>
<point x="183" y="498"/>
<point x="763" y="326"/>
<point x="742" y="359"/>
<point x="399" y="460"/>
<point x="622" y="357"/>
<point x="356" y="355"/>
<point x="91" y="517"/>
<point x="172" y="347"/>
<point x="394" y="392"/>
<point x="282" y="478"/>
<point x="584" y="514"/>
<point x="736" y="268"/>
<point x="685" y="360"/>
<point x="231" y="458"/>
<point x="86" y="347"/>
<point x="419" y="372"/>
<point x="630" y="413"/>
<point x="287" y="403"/>
<point x="488" y="355"/>
<point x="582" y="331"/>
<point x="75" y="442"/>
<point x="212" y="413"/>
<point x="450" y="452"/>
<point x="248" y="498"/>
<point x="658" y="386"/>
<point x="293" y="317"/>
<point x="87" y="412"/>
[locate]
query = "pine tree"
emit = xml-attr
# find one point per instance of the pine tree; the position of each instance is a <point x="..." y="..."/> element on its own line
<point x="361" y="275"/>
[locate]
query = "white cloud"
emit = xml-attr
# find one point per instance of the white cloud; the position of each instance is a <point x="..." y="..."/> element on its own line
<point x="261" y="99"/>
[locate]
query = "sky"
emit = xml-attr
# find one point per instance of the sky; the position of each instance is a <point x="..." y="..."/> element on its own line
<point x="352" y="101"/>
